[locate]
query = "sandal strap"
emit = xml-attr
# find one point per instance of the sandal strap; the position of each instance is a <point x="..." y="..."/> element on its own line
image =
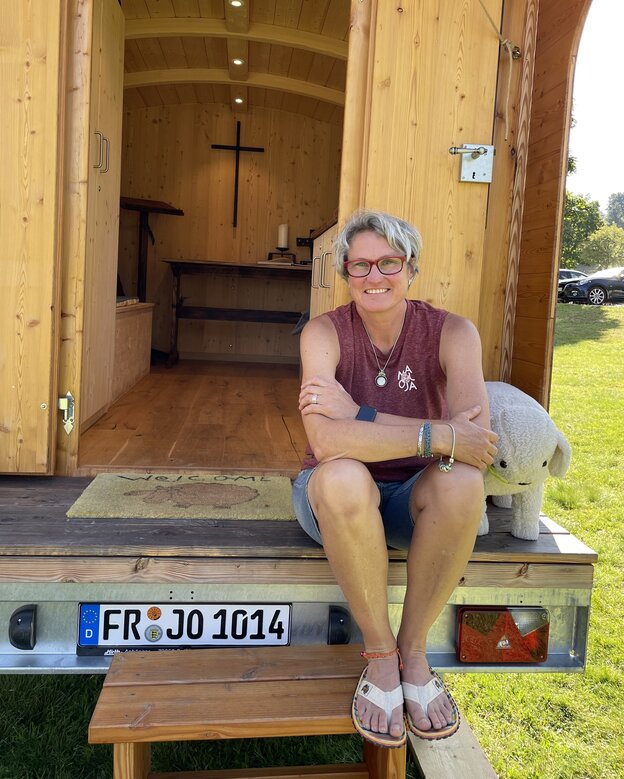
<point x="424" y="694"/>
<point x="382" y="655"/>
<point x="385" y="700"/>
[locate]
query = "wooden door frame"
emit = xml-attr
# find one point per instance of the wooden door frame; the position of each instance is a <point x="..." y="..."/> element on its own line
<point x="559" y="30"/>
<point x="77" y="56"/>
<point x="531" y="233"/>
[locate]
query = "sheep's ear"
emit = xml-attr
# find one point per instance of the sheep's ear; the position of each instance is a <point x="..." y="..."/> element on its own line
<point x="560" y="461"/>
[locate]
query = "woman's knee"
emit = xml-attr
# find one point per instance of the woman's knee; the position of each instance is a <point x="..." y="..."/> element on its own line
<point x="457" y="494"/>
<point x="343" y="488"/>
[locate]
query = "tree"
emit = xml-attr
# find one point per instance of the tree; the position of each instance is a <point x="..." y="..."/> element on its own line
<point x="604" y="248"/>
<point x="581" y="218"/>
<point x="615" y="209"/>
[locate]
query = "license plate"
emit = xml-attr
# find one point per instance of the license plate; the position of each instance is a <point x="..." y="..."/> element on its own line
<point x="105" y="628"/>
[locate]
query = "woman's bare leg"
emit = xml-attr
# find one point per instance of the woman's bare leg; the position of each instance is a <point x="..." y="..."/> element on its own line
<point x="447" y="509"/>
<point x="345" y="501"/>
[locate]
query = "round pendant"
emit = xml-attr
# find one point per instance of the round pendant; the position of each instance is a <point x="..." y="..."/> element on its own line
<point x="380" y="379"/>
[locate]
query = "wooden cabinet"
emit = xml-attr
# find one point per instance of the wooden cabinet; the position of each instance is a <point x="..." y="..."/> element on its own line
<point x="133" y="345"/>
<point x="323" y="274"/>
<point x="102" y="229"/>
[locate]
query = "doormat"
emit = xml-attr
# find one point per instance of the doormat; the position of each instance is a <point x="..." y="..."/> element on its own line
<point x="175" y="496"/>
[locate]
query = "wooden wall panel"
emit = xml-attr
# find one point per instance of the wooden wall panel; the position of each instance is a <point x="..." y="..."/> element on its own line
<point x="31" y="157"/>
<point x="560" y="23"/>
<point x="168" y="156"/>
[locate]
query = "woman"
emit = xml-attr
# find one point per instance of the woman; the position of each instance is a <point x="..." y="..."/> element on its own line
<point x="396" y="413"/>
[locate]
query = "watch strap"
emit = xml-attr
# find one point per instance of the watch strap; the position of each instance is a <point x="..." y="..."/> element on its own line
<point x="366" y="414"/>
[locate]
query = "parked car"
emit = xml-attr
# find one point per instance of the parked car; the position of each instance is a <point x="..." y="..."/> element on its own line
<point x="566" y="275"/>
<point x="597" y="289"/>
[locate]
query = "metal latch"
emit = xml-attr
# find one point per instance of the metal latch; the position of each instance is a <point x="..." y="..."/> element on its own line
<point x="66" y="405"/>
<point x="477" y="162"/>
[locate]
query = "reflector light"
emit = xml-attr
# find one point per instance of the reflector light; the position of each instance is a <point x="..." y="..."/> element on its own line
<point x="502" y="634"/>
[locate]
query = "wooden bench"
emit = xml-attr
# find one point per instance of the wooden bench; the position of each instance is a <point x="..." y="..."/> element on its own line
<point x="208" y="694"/>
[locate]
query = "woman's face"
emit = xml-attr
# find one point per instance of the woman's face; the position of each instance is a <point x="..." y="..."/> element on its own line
<point x="376" y="292"/>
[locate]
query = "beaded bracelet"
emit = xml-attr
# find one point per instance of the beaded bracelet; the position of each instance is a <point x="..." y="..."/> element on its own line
<point x="427" y="435"/>
<point x="423" y="448"/>
<point x="419" y="448"/>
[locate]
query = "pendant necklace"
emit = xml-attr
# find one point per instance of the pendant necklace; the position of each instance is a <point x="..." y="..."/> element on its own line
<point x="381" y="379"/>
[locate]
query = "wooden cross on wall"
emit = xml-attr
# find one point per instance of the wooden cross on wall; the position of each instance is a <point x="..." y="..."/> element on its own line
<point x="238" y="149"/>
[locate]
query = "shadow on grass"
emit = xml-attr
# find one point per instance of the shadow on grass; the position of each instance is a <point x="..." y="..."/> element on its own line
<point x="43" y="735"/>
<point x="577" y="322"/>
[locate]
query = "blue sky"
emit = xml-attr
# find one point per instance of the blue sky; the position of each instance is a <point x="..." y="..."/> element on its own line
<point x="597" y="140"/>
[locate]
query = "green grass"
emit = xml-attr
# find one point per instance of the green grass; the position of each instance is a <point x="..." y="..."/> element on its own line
<point x="532" y="726"/>
<point x="558" y="726"/>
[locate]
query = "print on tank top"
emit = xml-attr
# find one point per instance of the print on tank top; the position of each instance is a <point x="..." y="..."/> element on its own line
<point x="406" y="381"/>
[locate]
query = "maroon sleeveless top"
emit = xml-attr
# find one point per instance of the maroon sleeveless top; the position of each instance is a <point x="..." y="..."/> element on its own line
<point x="416" y="383"/>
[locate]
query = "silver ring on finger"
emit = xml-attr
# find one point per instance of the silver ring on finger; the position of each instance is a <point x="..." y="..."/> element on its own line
<point x="314" y="399"/>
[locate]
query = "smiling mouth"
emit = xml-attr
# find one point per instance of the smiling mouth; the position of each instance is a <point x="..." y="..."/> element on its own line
<point x="375" y="291"/>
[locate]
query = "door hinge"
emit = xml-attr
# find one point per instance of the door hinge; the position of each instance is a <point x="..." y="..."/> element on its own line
<point x="66" y="405"/>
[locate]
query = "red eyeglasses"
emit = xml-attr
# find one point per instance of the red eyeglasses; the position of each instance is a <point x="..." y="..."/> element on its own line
<point x="388" y="266"/>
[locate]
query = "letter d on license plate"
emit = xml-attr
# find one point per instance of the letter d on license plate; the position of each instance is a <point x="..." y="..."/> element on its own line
<point x="106" y="627"/>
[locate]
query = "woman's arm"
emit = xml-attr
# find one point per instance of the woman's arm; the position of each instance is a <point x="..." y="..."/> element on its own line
<point x="460" y="359"/>
<point x="330" y="425"/>
<point x="333" y="431"/>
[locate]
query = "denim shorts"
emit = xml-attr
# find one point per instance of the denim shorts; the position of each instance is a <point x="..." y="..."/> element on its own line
<point x="394" y="508"/>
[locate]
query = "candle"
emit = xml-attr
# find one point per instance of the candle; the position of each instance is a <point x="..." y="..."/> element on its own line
<point x="282" y="237"/>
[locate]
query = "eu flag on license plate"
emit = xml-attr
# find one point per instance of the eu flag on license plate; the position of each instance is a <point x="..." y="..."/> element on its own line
<point x="89" y="624"/>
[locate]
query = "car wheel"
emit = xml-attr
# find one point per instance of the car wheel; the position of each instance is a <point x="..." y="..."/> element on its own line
<point x="596" y="296"/>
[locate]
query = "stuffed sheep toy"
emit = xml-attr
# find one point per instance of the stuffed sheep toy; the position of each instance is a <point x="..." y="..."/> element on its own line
<point x="530" y="448"/>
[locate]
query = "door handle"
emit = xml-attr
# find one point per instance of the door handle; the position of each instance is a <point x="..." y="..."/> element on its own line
<point x="100" y="138"/>
<point x="314" y="261"/>
<point x="322" y="275"/>
<point x="107" y="142"/>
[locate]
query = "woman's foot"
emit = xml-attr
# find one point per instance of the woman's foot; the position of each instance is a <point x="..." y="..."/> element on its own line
<point x="440" y="712"/>
<point x="383" y="672"/>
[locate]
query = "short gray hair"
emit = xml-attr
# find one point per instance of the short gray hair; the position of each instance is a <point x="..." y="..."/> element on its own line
<point x="401" y="235"/>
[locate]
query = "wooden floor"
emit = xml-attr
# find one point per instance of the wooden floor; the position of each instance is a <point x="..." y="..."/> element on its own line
<point x="202" y="415"/>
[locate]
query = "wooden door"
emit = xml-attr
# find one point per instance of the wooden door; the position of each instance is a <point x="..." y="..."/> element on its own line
<point x="31" y="39"/>
<point x="102" y="210"/>
<point x="431" y="85"/>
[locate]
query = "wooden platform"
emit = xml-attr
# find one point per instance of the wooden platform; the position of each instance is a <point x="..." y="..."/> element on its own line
<point x="33" y="523"/>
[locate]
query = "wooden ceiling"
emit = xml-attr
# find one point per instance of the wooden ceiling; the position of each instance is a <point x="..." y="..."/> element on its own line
<point x="293" y="53"/>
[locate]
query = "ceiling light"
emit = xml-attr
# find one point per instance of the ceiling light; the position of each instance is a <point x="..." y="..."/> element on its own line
<point x="236" y="3"/>
<point x="238" y="61"/>
<point x="238" y="100"/>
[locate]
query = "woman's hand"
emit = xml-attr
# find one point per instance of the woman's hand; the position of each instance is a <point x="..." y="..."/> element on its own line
<point x="474" y="445"/>
<point x="328" y="398"/>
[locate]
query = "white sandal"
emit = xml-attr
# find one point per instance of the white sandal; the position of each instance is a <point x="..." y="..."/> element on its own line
<point x="423" y="695"/>
<point x="385" y="700"/>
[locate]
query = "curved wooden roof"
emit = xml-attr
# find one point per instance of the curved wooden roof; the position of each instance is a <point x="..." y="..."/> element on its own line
<point x="293" y="52"/>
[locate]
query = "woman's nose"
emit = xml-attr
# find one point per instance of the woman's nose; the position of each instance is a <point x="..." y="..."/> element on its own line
<point x="375" y="273"/>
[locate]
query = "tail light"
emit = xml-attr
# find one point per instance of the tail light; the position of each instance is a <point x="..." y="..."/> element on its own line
<point x="502" y="634"/>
